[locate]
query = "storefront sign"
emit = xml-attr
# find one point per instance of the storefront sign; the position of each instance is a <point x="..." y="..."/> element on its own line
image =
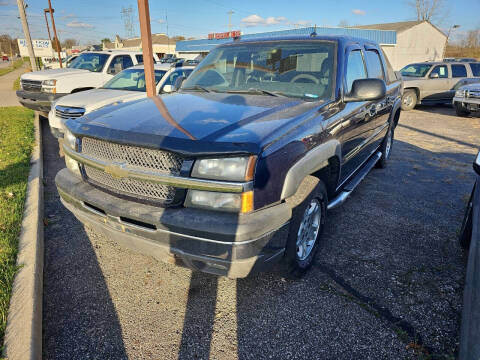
<point x="224" y="35"/>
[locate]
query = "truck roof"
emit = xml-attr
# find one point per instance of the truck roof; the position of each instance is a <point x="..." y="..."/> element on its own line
<point x="342" y="39"/>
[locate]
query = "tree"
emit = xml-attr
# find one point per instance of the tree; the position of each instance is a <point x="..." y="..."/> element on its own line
<point x="427" y="10"/>
<point x="106" y="40"/>
<point x="472" y="39"/>
<point x="179" y="38"/>
<point x="69" y="43"/>
<point x="8" y="45"/>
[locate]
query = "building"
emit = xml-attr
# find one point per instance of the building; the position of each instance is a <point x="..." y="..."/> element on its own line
<point x="402" y="42"/>
<point x="161" y="44"/>
<point x="417" y="41"/>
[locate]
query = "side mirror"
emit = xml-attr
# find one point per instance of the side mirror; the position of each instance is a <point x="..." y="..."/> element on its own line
<point x="167" y="89"/>
<point x="434" y="76"/>
<point x="476" y="164"/>
<point x="366" y="90"/>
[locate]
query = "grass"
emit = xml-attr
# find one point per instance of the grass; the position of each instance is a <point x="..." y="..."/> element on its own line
<point x="16" y="142"/>
<point x="16" y="84"/>
<point x="16" y="64"/>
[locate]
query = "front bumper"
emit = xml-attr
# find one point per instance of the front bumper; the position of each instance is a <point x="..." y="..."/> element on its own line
<point x="214" y="242"/>
<point x="56" y="124"/>
<point x="38" y="101"/>
<point x="464" y="101"/>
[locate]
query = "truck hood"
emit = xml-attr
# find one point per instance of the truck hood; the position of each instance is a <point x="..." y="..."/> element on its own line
<point x="471" y="87"/>
<point x="52" y="73"/>
<point x="94" y="99"/>
<point x="197" y="123"/>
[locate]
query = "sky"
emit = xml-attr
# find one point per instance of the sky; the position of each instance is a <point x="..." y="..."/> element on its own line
<point x="89" y="21"/>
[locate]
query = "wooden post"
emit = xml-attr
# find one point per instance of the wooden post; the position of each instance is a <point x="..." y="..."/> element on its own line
<point x="55" y="33"/>
<point x="147" y="49"/>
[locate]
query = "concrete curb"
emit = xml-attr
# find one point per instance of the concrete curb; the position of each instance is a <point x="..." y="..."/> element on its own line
<point x="23" y="336"/>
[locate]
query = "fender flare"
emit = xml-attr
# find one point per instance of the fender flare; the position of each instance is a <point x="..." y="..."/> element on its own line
<point x="396" y="107"/>
<point x="312" y="161"/>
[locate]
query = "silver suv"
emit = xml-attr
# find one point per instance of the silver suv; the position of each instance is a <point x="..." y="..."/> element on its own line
<point x="436" y="82"/>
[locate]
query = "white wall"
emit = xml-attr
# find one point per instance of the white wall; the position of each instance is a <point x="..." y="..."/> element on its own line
<point x="420" y="43"/>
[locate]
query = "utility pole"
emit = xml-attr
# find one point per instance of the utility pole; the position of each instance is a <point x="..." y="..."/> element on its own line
<point x="26" y="31"/>
<point x="50" y="10"/>
<point x="168" y="36"/>
<point x="147" y="49"/>
<point x="230" y="13"/>
<point x="45" y="11"/>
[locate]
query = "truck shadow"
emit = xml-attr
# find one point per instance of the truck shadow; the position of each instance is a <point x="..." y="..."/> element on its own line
<point x="370" y="270"/>
<point x="79" y="317"/>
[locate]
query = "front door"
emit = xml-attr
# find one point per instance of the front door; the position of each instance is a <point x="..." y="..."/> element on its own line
<point x="437" y="85"/>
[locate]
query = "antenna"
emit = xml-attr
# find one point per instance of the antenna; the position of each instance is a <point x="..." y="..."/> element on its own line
<point x="127" y="17"/>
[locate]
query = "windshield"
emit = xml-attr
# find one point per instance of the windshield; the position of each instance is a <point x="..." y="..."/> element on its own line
<point x="416" y="70"/>
<point x="90" y="61"/>
<point x="303" y="69"/>
<point x="131" y="79"/>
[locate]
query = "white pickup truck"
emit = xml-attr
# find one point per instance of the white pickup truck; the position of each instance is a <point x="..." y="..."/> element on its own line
<point x="128" y="85"/>
<point x="89" y="70"/>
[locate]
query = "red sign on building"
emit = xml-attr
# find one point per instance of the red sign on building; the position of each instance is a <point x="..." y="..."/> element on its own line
<point x="224" y="35"/>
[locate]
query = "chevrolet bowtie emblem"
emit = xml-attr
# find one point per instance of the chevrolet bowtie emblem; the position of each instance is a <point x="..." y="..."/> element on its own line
<point x="118" y="171"/>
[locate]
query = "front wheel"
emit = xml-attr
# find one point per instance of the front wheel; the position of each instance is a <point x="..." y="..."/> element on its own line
<point x="306" y="226"/>
<point x="409" y="100"/>
<point x="460" y="109"/>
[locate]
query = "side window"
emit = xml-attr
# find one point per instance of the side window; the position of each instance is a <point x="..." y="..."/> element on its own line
<point x="172" y="77"/>
<point x="441" y="71"/>
<point x="374" y="65"/>
<point x="459" y="71"/>
<point x="355" y="68"/>
<point x="391" y="76"/>
<point x="139" y="58"/>
<point x="475" y="69"/>
<point x="119" y="63"/>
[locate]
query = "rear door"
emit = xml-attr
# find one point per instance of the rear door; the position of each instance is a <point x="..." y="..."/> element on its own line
<point x="379" y="109"/>
<point x="459" y="76"/>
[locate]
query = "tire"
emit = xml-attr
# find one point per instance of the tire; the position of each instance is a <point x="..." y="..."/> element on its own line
<point x="466" y="229"/>
<point x="460" y="109"/>
<point x="409" y="100"/>
<point x="386" y="148"/>
<point x="300" y="253"/>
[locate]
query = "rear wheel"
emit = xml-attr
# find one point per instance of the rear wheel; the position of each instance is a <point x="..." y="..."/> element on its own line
<point x="409" y="100"/>
<point x="306" y="226"/>
<point x="386" y="149"/>
<point x="460" y="109"/>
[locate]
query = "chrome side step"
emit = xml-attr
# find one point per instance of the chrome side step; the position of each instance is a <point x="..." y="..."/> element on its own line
<point x="353" y="183"/>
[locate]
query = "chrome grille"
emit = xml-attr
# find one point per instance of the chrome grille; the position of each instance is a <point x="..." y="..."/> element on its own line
<point x="132" y="155"/>
<point x="136" y="157"/>
<point x="126" y="186"/>
<point x="31" y="85"/>
<point x="68" y="112"/>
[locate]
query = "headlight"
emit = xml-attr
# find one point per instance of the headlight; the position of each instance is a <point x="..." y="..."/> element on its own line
<point x="460" y="93"/>
<point x="72" y="165"/>
<point x="49" y="82"/>
<point x="70" y="139"/>
<point x="229" y="169"/>
<point x="220" y="201"/>
<point x="49" y="86"/>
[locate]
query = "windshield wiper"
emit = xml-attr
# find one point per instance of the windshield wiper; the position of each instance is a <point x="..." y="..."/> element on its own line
<point x="197" y="87"/>
<point x="257" y="91"/>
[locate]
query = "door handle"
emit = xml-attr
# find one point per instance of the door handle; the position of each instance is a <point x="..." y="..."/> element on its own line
<point x="372" y="110"/>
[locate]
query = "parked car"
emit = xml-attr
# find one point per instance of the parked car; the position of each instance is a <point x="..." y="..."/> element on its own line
<point x="435" y="82"/>
<point x="126" y="86"/>
<point x="469" y="347"/>
<point x="237" y="169"/>
<point x="89" y="70"/>
<point x="467" y="99"/>
<point x="5" y="58"/>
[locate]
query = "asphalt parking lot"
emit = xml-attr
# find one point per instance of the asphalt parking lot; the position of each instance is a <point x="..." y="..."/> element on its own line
<point x="387" y="283"/>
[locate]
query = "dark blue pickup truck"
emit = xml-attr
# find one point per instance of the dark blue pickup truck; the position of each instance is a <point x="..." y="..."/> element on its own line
<point x="238" y="168"/>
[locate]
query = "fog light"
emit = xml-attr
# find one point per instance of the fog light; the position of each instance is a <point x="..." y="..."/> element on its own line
<point x="72" y="165"/>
